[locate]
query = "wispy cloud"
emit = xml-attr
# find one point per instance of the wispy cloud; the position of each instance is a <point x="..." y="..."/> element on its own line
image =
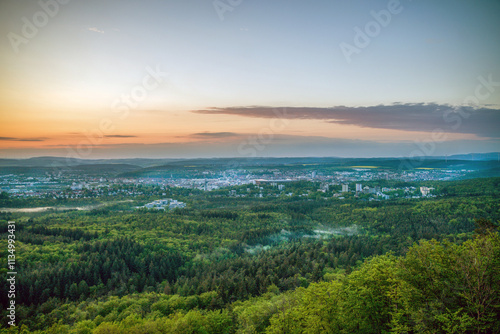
<point x="120" y="136"/>
<point x="482" y="122"/>
<point x="22" y="139"/>
<point x="94" y="29"/>
<point x="214" y="134"/>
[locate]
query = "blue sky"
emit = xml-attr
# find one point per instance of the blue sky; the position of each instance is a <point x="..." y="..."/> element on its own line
<point x="229" y="54"/>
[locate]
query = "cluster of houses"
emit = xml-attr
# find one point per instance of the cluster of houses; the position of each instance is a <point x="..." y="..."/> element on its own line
<point x="162" y="204"/>
<point x="410" y="192"/>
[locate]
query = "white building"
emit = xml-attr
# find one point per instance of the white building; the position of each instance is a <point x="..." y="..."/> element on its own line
<point x="382" y="195"/>
<point x="75" y="186"/>
<point x="162" y="204"/>
<point x="425" y="191"/>
<point x="345" y="188"/>
<point x="359" y="187"/>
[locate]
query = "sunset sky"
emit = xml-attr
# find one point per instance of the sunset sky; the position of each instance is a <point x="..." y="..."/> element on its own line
<point x="241" y="78"/>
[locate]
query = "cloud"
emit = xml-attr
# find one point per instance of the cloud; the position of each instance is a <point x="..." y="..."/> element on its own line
<point x="21" y="139"/>
<point x="94" y="29"/>
<point x="120" y="136"/>
<point x="482" y="122"/>
<point x="214" y="134"/>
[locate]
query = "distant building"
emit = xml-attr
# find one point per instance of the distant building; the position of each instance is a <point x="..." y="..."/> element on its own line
<point x="162" y="204"/>
<point x="345" y="188"/>
<point x="176" y="204"/>
<point x="382" y="195"/>
<point x="425" y="191"/>
<point x="359" y="187"/>
<point x="75" y="186"/>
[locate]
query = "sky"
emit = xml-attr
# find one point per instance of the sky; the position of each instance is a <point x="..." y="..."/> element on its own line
<point x="241" y="78"/>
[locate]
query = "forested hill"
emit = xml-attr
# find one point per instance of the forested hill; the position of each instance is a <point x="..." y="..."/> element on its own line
<point x="437" y="287"/>
<point x="275" y="264"/>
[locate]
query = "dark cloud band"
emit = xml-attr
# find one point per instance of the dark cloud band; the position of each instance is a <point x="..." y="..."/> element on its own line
<point x="214" y="134"/>
<point x="120" y="136"/>
<point x="21" y="139"/>
<point x="482" y="122"/>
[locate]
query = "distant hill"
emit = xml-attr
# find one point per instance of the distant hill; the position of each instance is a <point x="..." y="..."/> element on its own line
<point x="69" y="162"/>
<point x="47" y="161"/>
<point x="484" y="164"/>
<point x="472" y="156"/>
